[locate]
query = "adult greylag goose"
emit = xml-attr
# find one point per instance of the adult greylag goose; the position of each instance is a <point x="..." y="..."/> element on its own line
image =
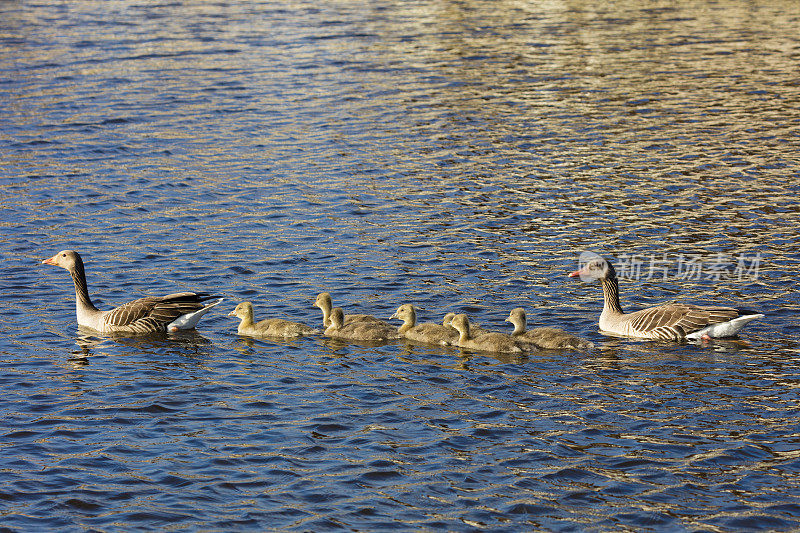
<point x="270" y="327"/>
<point x="151" y="314"/>
<point x="426" y="332"/>
<point x="545" y="337"/>
<point x="325" y="304"/>
<point x="474" y="329"/>
<point x="672" y="321"/>
<point x="359" y="331"/>
<point x="488" y="342"/>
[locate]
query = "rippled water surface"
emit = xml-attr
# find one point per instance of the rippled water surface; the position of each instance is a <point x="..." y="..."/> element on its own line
<point x="456" y="155"/>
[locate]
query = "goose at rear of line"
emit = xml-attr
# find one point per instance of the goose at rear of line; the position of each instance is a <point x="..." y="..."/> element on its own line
<point x="668" y="322"/>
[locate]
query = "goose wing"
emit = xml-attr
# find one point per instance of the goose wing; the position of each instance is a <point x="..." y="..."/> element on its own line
<point x="153" y="313"/>
<point x="675" y="321"/>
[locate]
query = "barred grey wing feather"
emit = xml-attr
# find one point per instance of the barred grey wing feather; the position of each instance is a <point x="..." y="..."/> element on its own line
<point x="153" y="313"/>
<point x="655" y="317"/>
<point x="127" y="314"/>
<point x="667" y="333"/>
<point x="146" y="325"/>
<point x="675" y="321"/>
<point x="696" y="318"/>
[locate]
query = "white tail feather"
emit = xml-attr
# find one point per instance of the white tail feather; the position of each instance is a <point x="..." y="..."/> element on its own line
<point x="190" y="320"/>
<point x="724" y="329"/>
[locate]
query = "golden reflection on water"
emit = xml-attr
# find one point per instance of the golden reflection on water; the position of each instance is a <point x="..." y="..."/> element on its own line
<point x="458" y="155"/>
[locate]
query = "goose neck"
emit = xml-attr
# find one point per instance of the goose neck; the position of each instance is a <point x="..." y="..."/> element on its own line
<point x="82" y="299"/>
<point x="246" y="321"/>
<point x="611" y="303"/>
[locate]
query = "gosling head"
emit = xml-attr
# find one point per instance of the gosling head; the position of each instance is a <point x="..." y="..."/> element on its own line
<point x="323" y="301"/>
<point x="461" y="323"/>
<point x="406" y="312"/>
<point x="516" y="316"/>
<point x="517" y="319"/>
<point x="243" y="310"/>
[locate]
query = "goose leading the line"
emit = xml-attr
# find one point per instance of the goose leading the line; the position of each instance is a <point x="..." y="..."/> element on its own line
<point x="151" y="314"/>
<point x="672" y="321"/>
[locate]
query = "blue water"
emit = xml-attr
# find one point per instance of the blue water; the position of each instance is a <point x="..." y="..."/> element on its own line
<point x="458" y="156"/>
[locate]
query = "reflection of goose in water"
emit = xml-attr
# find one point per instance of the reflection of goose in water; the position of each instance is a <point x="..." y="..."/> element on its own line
<point x="427" y="332"/>
<point x="359" y="331"/>
<point x="547" y="338"/>
<point x="152" y="346"/>
<point x="324" y="302"/>
<point x="488" y="342"/>
<point x="270" y="327"/>
<point x="151" y="314"/>
<point x="673" y="321"/>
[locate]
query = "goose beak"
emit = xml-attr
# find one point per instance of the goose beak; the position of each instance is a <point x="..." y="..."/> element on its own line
<point x="50" y="261"/>
<point x="575" y="274"/>
<point x="232" y="313"/>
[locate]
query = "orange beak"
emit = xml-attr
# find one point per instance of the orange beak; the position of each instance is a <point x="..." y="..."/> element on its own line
<point x="50" y="261"/>
<point x="575" y="274"/>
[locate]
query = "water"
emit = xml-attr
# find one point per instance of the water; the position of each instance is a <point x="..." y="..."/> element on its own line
<point x="456" y="155"/>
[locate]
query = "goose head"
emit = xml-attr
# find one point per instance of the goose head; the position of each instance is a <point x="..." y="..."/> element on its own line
<point x="66" y="259"/>
<point x="448" y="319"/>
<point x="407" y="313"/>
<point x="243" y="310"/>
<point x="595" y="268"/>
<point x="323" y="301"/>
<point x="461" y="323"/>
<point x="517" y="317"/>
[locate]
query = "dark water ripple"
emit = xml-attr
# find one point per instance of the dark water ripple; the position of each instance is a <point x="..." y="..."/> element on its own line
<point x="455" y="155"/>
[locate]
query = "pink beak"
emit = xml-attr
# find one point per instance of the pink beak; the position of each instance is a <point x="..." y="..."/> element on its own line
<point x="50" y="261"/>
<point x="575" y="274"/>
